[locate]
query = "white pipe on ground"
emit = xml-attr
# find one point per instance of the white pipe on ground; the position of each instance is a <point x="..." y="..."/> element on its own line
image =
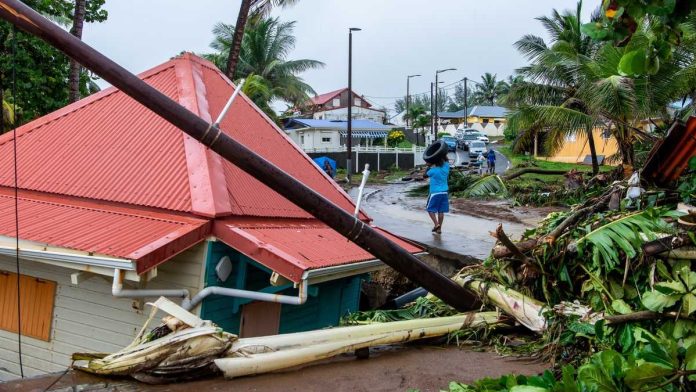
<point x="118" y="291"/>
<point x="366" y="174"/>
<point x="301" y="298"/>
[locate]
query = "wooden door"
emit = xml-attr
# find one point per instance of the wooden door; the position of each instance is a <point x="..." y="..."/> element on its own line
<point x="260" y="319"/>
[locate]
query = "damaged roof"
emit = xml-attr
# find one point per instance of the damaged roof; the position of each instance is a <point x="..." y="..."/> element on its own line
<point x="108" y="152"/>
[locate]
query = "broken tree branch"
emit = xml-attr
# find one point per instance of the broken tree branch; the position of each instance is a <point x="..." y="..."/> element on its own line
<point x="505" y="240"/>
<point x="532" y="170"/>
<point x="666" y="244"/>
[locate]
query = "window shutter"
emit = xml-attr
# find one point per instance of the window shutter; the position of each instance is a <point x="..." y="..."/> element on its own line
<point x="37" y="296"/>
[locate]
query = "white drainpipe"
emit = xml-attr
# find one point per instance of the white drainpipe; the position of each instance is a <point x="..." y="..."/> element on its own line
<point x="301" y="298"/>
<point x="118" y="291"/>
<point x="189" y="303"/>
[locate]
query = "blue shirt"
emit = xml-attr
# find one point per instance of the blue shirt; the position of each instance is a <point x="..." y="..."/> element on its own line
<point x="438" y="178"/>
<point x="491" y="156"/>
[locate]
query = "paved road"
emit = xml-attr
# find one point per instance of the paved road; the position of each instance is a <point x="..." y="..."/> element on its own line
<point x="467" y="235"/>
<point x="501" y="162"/>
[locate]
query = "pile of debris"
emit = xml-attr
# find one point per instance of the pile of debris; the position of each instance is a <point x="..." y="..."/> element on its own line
<point x="606" y="292"/>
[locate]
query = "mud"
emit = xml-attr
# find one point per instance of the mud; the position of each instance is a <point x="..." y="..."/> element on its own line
<point x="425" y="368"/>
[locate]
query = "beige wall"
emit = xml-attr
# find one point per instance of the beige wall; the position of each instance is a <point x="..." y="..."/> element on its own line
<point x="576" y="147"/>
<point x="86" y="318"/>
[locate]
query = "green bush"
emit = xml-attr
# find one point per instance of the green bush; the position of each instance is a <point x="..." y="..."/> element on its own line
<point x="509" y="134"/>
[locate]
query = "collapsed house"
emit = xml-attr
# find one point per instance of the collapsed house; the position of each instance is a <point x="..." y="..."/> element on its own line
<point x="117" y="205"/>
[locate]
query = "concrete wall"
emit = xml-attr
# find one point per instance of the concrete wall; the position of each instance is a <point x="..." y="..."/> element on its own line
<point x="86" y="317"/>
<point x="313" y="138"/>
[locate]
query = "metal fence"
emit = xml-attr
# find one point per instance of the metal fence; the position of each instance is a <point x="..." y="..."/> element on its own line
<point x="379" y="157"/>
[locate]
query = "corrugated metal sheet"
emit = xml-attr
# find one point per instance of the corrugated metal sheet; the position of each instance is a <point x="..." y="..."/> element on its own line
<point x="669" y="158"/>
<point x="148" y="238"/>
<point x="293" y="246"/>
<point x="245" y="124"/>
<point x="107" y="147"/>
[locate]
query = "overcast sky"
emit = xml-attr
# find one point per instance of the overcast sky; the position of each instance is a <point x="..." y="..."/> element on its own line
<point x="399" y="37"/>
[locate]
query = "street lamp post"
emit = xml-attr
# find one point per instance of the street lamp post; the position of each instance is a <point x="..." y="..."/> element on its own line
<point x="437" y="86"/>
<point x="408" y="95"/>
<point x="408" y="100"/>
<point x="466" y="104"/>
<point x="349" y="133"/>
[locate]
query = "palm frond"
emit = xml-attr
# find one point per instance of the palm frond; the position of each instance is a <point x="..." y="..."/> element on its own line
<point x="487" y="186"/>
<point x="626" y="234"/>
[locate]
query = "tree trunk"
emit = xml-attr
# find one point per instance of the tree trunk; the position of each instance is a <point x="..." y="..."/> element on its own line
<point x="75" y="68"/>
<point x="593" y="151"/>
<point x="236" y="45"/>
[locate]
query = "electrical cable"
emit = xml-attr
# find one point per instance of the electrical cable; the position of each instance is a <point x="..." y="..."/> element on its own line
<point x="16" y="194"/>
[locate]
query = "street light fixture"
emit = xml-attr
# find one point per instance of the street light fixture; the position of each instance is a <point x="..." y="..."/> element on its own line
<point x="349" y="133"/>
<point x="408" y="94"/>
<point x="437" y="86"/>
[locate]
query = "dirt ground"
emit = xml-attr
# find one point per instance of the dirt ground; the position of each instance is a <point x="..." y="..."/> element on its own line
<point x="425" y="368"/>
<point x="500" y="210"/>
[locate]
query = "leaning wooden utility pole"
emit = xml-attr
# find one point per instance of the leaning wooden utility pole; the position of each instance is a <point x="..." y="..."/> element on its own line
<point x="359" y="232"/>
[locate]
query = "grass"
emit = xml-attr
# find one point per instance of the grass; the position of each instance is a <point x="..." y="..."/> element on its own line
<point x="381" y="177"/>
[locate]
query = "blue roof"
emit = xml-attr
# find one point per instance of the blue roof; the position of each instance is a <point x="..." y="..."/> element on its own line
<point x="478" y="110"/>
<point x="358" y="125"/>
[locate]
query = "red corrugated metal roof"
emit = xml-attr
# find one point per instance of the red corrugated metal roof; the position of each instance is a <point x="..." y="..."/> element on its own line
<point x="670" y="157"/>
<point x="326" y="97"/>
<point x="146" y="237"/>
<point x="109" y="147"/>
<point x="293" y="246"/>
<point x="106" y="175"/>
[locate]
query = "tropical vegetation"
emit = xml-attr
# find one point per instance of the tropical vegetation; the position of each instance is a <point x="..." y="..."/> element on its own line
<point x="41" y="71"/>
<point x="576" y="84"/>
<point x="263" y="62"/>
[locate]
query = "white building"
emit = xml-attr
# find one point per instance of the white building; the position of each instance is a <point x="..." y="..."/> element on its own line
<point x="334" y="106"/>
<point x="327" y="135"/>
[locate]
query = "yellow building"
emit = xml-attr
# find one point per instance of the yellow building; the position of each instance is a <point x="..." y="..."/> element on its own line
<point x="575" y="147"/>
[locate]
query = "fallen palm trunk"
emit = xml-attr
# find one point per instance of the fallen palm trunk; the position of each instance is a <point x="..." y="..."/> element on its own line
<point x="301" y="339"/>
<point x="184" y="353"/>
<point x="253" y="356"/>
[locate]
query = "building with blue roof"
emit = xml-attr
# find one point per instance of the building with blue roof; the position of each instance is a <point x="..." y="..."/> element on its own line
<point x="313" y="134"/>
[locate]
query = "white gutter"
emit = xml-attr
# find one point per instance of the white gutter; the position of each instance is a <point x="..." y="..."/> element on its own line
<point x="301" y="298"/>
<point x="118" y="291"/>
<point x="43" y="255"/>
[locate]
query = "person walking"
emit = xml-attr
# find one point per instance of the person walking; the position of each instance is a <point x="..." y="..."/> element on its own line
<point x="481" y="164"/>
<point x="438" y="200"/>
<point x="491" y="161"/>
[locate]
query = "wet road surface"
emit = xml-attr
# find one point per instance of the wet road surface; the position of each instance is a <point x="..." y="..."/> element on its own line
<point x="392" y="209"/>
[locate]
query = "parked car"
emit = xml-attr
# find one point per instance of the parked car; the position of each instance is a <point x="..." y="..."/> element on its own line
<point x="451" y="142"/>
<point x="463" y="143"/>
<point x="476" y="147"/>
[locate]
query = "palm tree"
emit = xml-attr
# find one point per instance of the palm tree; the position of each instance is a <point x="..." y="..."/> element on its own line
<point x="74" y="73"/>
<point x="247" y="8"/>
<point x="488" y="90"/>
<point x="263" y="61"/>
<point x="549" y="99"/>
<point x="575" y="86"/>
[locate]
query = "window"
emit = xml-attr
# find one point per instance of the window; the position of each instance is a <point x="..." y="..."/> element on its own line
<point x="37" y="296"/>
<point x="358" y="102"/>
<point x="485" y="121"/>
<point x="302" y="140"/>
<point x="326" y="139"/>
<point x="336" y="102"/>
